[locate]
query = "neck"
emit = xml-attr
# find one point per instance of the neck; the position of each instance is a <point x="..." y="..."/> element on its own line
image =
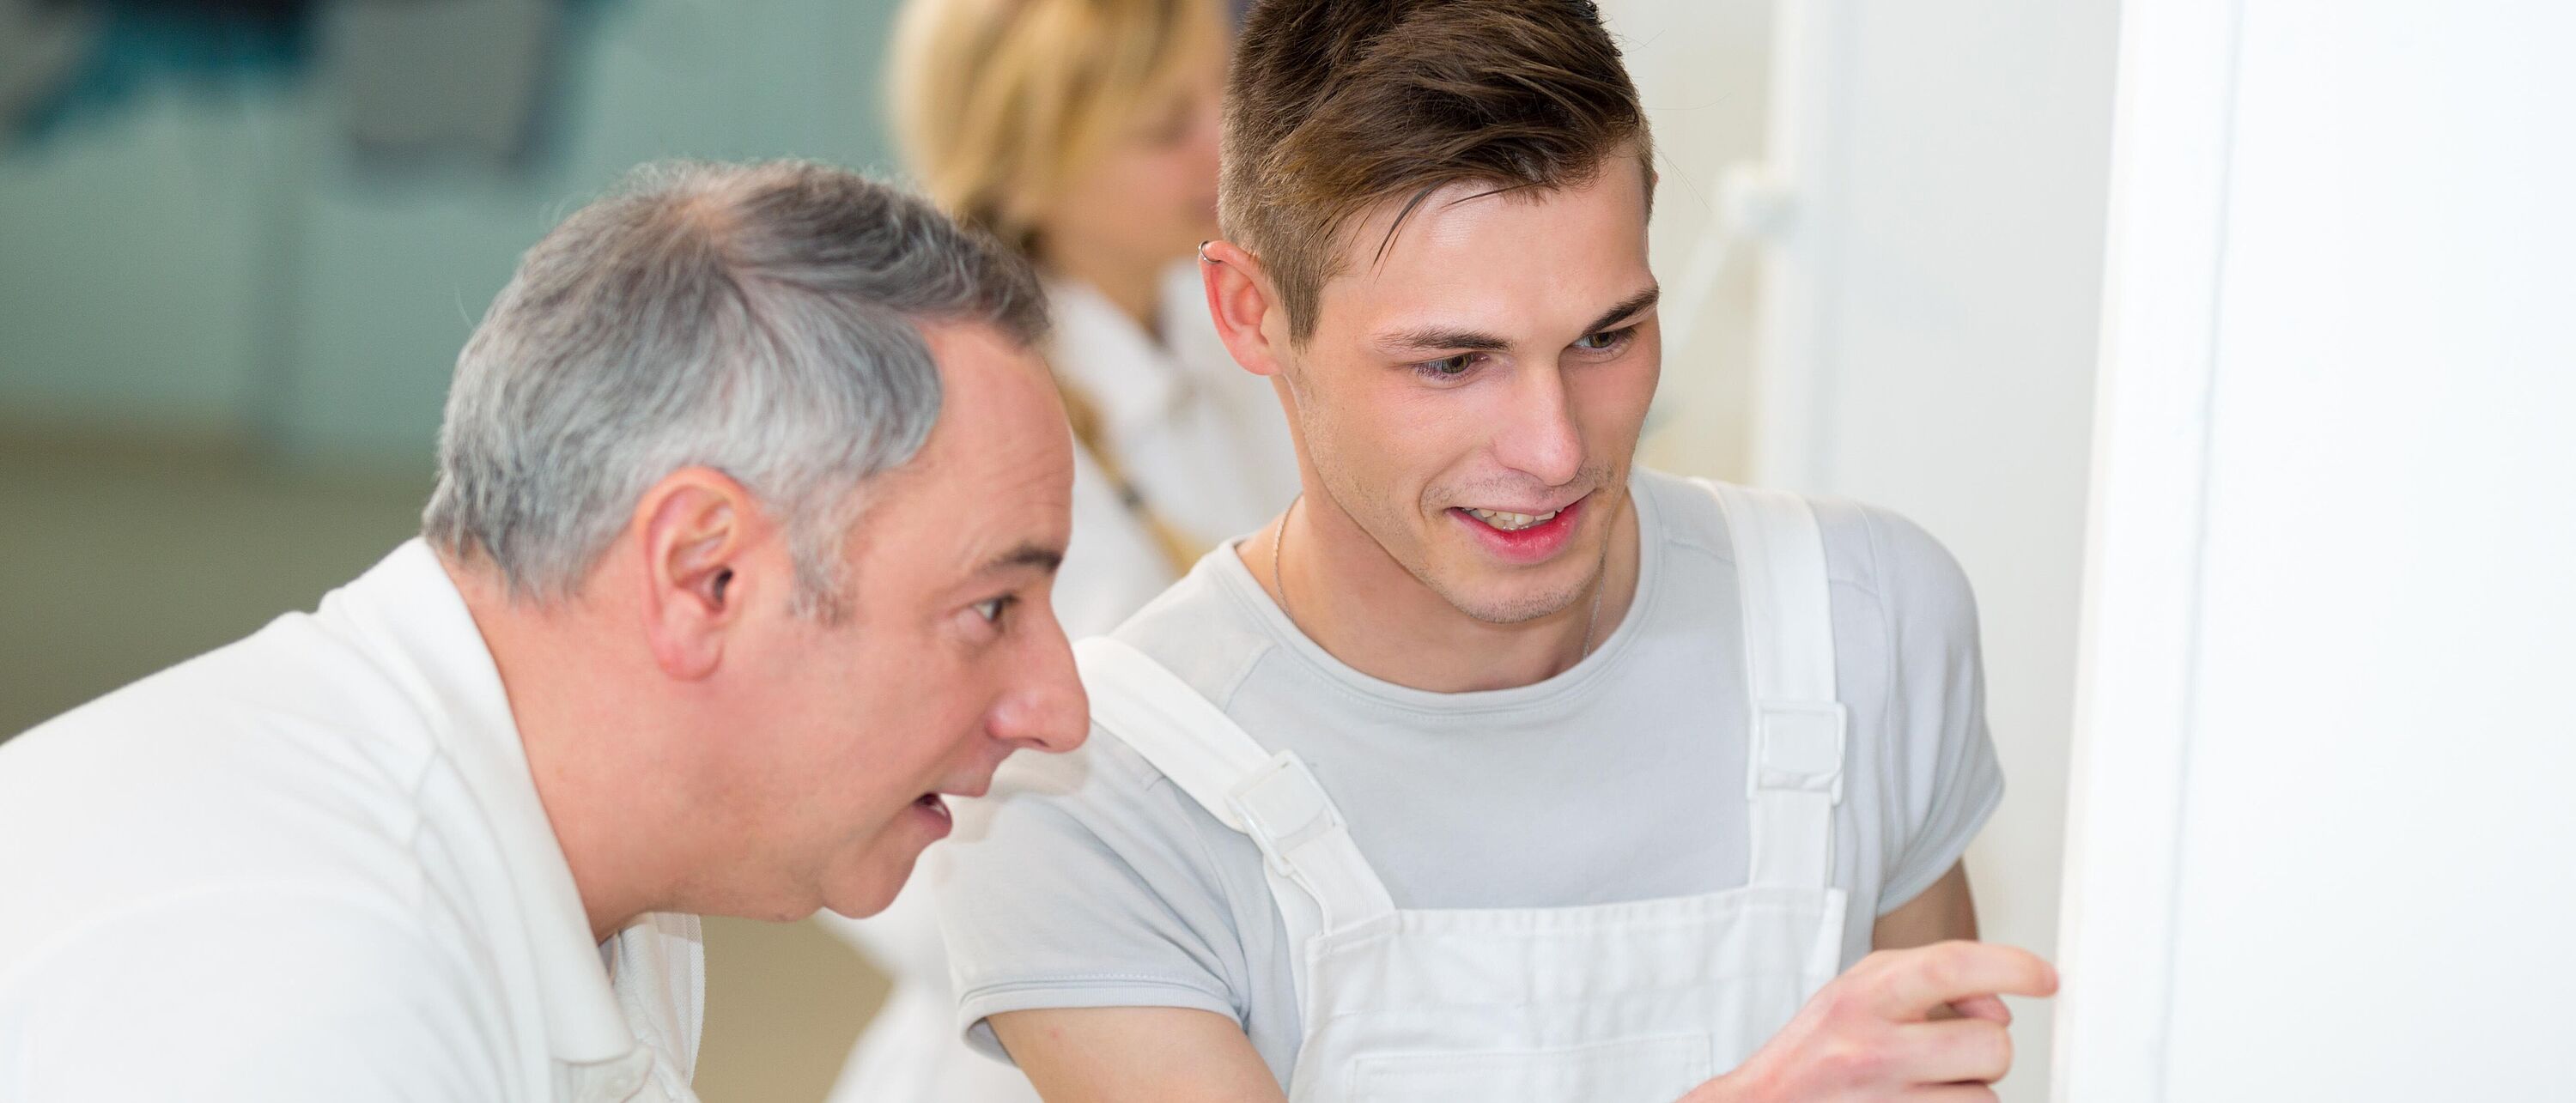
<point x="580" y="746"/>
<point x="1133" y="287"/>
<point x="1367" y="610"/>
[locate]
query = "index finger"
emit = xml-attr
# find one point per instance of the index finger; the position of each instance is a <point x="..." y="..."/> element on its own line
<point x="1921" y="979"/>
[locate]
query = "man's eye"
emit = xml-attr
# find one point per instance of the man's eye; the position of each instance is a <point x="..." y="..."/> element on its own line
<point x="991" y="609"/>
<point x="1448" y="367"/>
<point x="1605" y="340"/>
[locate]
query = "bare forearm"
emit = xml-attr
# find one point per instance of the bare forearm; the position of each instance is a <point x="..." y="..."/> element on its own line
<point x="1136" y="1055"/>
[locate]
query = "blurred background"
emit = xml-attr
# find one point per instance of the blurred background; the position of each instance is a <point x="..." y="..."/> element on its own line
<point x="241" y="243"/>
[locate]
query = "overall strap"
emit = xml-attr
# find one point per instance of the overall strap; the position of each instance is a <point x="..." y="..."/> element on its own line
<point x="1794" y="762"/>
<point x="1317" y="877"/>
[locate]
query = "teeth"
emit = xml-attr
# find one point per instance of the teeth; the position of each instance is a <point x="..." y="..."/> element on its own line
<point x="1512" y="522"/>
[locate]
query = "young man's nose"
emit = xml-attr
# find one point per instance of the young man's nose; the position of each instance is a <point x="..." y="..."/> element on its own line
<point x="1538" y="437"/>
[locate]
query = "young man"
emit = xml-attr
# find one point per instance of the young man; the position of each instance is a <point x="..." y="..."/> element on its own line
<point x="1493" y="769"/>
<point x="750" y="491"/>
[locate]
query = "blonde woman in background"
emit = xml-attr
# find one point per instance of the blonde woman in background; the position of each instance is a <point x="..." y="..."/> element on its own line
<point x="1084" y="134"/>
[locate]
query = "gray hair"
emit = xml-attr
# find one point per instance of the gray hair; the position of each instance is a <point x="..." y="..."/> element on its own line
<point x="762" y="320"/>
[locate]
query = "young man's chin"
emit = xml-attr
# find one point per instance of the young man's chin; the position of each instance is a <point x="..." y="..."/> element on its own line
<point x="1497" y="595"/>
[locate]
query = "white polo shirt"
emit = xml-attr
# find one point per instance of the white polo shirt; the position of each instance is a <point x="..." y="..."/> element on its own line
<point x="312" y="865"/>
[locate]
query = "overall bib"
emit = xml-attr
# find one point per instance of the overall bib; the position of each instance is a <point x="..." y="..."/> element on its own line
<point x="1635" y="1002"/>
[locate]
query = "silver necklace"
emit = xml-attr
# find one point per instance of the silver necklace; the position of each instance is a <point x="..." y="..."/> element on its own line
<point x="1278" y="581"/>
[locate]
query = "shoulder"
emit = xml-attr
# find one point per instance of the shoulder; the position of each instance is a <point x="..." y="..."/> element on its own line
<point x="281" y="759"/>
<point x="307" y="938"/>
<point x="1209" y="629"/>
<point x="1107" y="810"/>
<point x="1871" y="551"/>
<point x="299" y="675"/>
<point x="1913" y="576"/>
<point x="1102" y="796"/>
<point x="1090" y="879"/>
<point x="293" y="707"/>
<point x="1679" y="510"/>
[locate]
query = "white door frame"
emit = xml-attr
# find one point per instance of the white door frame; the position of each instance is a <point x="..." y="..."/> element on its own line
<point x="2171" y="146"/>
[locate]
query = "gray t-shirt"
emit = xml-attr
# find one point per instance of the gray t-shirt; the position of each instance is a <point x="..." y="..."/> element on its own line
<point x="1090" y="880"/>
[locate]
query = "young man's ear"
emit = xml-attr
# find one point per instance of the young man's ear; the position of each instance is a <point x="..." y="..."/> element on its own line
<point x="695" y="529"/>
<point x="1247" y="315"/>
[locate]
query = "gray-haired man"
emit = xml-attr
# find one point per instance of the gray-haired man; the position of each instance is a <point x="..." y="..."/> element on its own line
<point x="750" y="493"/>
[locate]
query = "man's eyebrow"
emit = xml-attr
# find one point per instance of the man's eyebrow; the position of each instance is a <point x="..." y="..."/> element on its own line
<point x="1043" y="558"/>
<point x="1468" y="340"/>
<point x="1636" y="304"/>
<point x="1440" y="340"/>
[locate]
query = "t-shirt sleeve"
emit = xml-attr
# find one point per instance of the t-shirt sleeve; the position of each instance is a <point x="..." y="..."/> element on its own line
<point x="1948" y="781"/>
<point x="1084" y="880"/>
<point x="272" y="996"/>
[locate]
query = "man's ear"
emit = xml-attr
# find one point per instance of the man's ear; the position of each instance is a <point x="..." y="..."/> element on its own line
<point x="1248" y="316"/>
<point x="696" y="529"/>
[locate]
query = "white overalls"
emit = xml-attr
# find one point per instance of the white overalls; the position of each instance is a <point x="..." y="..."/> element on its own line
<point x="1633" y="1002"/>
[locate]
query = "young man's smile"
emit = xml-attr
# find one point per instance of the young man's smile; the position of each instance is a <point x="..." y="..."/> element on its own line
<point x="1525" y="535"/>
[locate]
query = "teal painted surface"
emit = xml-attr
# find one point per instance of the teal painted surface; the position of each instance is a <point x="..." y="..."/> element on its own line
<point x="126" y="258"/>
<point x="221" y="261"/>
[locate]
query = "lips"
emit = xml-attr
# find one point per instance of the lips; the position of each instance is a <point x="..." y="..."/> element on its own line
<point x="1521" y="537"/>
<point x="1511" y="521"/>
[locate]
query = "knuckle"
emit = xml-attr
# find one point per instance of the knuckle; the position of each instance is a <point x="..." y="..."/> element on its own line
<point x="1980" y="1053"/>
<point x="1843" y="1001"/>
<point x="1848" y="1064"/>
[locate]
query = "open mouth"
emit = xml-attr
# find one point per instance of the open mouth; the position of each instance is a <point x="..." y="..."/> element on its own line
<point x="930" y="803"/>
<point x="1520" y="537"/>
<point x="1512" y="522"/>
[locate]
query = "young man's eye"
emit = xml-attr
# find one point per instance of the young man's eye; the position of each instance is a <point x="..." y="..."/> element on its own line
<point x="991" y="609"/>
<point x="1448" y="367"/>
<point x="1606" y="340"/>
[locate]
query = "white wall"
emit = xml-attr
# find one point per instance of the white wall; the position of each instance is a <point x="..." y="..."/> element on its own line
<point x="1928" y="344"/>
<point x="2324" y="843"/>
<point x="1702" y="68"/>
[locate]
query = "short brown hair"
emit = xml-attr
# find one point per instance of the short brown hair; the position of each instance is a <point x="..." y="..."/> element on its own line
<point x="1335" y="106"/>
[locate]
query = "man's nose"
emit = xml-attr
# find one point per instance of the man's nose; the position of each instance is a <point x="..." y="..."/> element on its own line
<point x="1539" y="438"/>
<point x="1047" y="709"/>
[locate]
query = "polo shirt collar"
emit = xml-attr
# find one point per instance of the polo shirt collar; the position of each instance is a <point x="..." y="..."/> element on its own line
<point x="414" y="616"/>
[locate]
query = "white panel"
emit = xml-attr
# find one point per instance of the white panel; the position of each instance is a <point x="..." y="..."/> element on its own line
<point x="2168" y="228"/>
<point x="2378" y="870"/>
<point x="2324" y="844"/>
